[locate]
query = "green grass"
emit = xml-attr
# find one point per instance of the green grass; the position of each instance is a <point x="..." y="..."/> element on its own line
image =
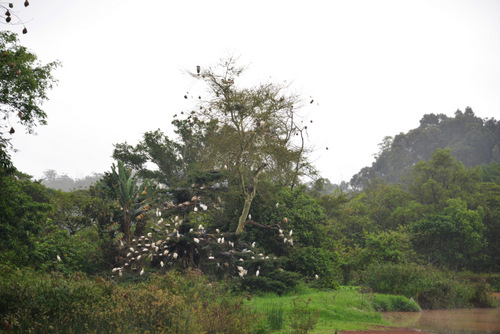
<point x="343" y="309"/>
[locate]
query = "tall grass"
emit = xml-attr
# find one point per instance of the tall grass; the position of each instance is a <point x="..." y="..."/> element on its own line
<point x="342" y="309"/>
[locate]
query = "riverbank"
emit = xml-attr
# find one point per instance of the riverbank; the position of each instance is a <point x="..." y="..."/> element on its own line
<point x="476" y="320"/>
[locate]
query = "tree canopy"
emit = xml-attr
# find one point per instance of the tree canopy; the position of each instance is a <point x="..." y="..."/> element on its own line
<point x="470" y="139"/>
<point x="24" y="83"/>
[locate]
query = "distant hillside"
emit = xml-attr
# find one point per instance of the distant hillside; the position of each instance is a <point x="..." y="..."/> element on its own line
<point x="63" y="182"/>
<point x="472" y="140"/>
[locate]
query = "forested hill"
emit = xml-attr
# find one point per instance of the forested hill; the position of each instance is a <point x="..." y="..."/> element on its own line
<point x="472" y="140"/>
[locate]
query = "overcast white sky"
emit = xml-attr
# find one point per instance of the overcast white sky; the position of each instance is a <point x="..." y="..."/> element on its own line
<point x="373" y="68"/>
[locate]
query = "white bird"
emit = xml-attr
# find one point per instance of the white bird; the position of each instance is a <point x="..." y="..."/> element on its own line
<point x="241" y="260"/>
<point x="253" y="244"/>
<point x="218" y="240"/>
<point x="131" y="249"/>
<point x="277" y="205"/>
<point x="316" y="276"/>
<point x="196" y="240"/>
<point x="217" y="230"/>
<point x="291" y="232"/>
<point x="58" y="258"/>
<point x="281" y="231"/>
<point x="138" y="258"/>
<point x="142" y="272"/>
<point x="222" y="240"/>
<point x="285" y="240"/>
<point x="250" y="217"/>
<point x="128" y="254"/>
<point x="162" y="264"/>
<point x="257" y="272"/>
<point x="165" y="252"/>
<point x="195" y="209"/>
<point x="175" y="255"/>
<point x="210" y="257"/>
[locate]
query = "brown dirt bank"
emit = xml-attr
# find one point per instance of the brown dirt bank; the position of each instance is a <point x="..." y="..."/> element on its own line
<point x="387" y="330"/>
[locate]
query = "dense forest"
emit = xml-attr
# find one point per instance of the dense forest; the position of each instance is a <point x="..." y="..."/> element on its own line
<point x="470" y="139"/>
<point x="220" y="210"/>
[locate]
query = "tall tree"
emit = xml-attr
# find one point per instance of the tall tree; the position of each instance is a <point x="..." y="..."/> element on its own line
<point x="435" y="181"/>
<point x="24" y="83"/>
<point x="256" y="131"/>
<point x="453" y="238"/>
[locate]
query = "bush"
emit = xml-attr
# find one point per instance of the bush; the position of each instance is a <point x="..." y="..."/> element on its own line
<point x="302" y="318"/>
<point x="431" y="288"/>
<point x="174" y="303"/>
<point x="311" y="261"/>
<point x="276" y="281"/>
<point x="391" y="303"/>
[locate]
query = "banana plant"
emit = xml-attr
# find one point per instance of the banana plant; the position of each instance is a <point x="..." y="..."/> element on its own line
<point x="128" y="189"/>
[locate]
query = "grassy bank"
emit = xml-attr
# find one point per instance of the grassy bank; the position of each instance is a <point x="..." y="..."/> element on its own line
<point x="343" y="309"/>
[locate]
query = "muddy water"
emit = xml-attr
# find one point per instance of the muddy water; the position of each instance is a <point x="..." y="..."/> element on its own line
<point x="473" y="321"/>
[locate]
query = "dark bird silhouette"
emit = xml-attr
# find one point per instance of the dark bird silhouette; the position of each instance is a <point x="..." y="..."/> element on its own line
<point x="198" y="69"/>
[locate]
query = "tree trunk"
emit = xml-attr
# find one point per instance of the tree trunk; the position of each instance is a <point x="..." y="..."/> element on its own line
<point x="126" y="224"/>
<point x="244" y="213"/>
<point x="249" y="193"/>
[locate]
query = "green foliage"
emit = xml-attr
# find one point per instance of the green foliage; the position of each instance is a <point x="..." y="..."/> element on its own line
<point x="69" y="210"/>
<point x="277" y="281"/>
<point x="24" y="83"/>
<point x="23" y="205"/>
<point x="471" y="140"/>
<point x="304" y="217"/>
<point x="431" y="288"/>
<point x="384" y="247"/>
<point x="454" y="238"/>
<point x="302" y="318"/>
<point x="391" y="303"/>
<point x="76" y="253"/>
<point x="312" y="261"/>
<point x="435" y="181"/>
<point x="35" y="302"/>
<point x="491" y="172"/>
<point x="275" y="317"/>
<point x="124" y="186"/>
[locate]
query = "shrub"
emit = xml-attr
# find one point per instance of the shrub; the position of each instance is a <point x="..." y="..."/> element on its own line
<point x="311" y="261"/>
<point x="175" y="303"/>
<point x="277" y="281"/>
<point x="431" y="288"/>
<point x="391" y="303"/>
<point x="302" y="318"/>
